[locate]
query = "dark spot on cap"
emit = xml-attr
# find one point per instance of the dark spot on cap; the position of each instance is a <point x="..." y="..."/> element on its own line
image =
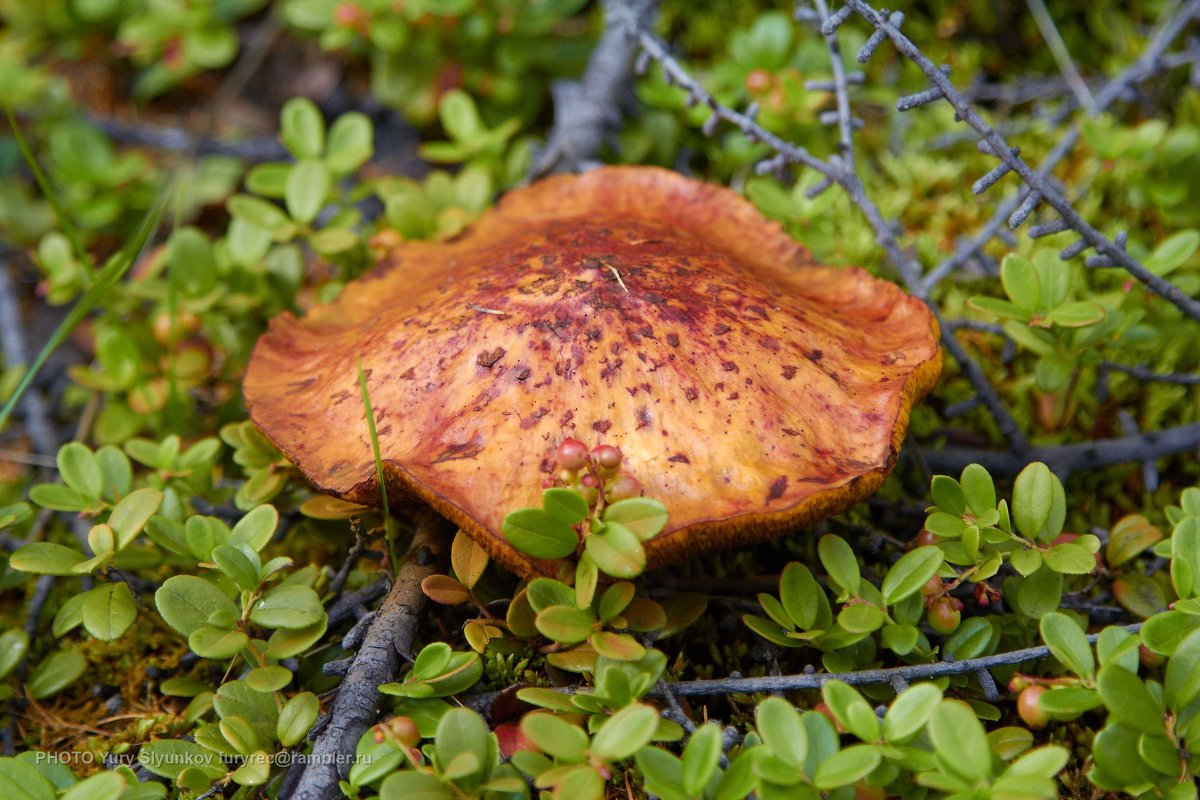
<point x="489" y="357"/>
<point x="601" y="426"/>
<point x="672" y="340"/>
<point x="729" y="366"/>
<point x="789" y="372"/>
<point x="690" y="393"/>
<point x="720" y="329"/>
<point x="680" y="458"/>
<point x="778" y="487"/>
<point x="816" y="355"/>
<point x="408" y="374"/>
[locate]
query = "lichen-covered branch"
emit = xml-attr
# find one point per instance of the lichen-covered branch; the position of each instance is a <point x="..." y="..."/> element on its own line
<point x="892" y="676"/>
<point x="390" y="634"/>
<point x="1067" y="458"/>
<point x="588" y="111"/>
<point x="12" y="341"/>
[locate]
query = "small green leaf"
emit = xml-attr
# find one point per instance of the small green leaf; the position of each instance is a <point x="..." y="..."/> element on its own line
<point x="860" y="618"/>
<point x="1068" y="643"/>
<point x="1069" y="559"/>
<point x="1033" y="498"/>
<point x="1129" y="701"/>
<point x="978" y="489"/>
<point x="1021" y="282"/>
<point x="779" y="726"/>
<point x="644" y="516"/>
<point x="1173" y="252"/>
<point x="625" y="732"/>
<point x="79" y="470"/>
<point x="408" y="785"/>
<point x="617" y="551"/>
<point x="54" y="673"/>
<point x="565" y="505"/>
<point x="256" y="528"/>
<point x="46" y="558"/>
<point x="351" y="143"/>
<point x="1040" y="593"/>
<point x="565" y="624"/>
<point x="108" y="611"/>
<point x="948" y="495"/>
<point x="616" y="598"/>
<point x="910" y="712"/>
<point x="101" y="786"/>
<point x="840" y="562"/>
<point x="186" y="602"/>
<point x="14" y="644"/>
<point x="307" y="187"/>
<point x="535" y="533"/>
<point x="219" y="643"/>
<point x="237" y="565"/>
<point x="1076" y="314"/>
<point x="302" y="129"/>
<point x="132" y="513"/>
<point x="271" y="678"/>
<point x="556" y="737"/>
<point x="296" y="718"/>
<point x="852" y="710"/>
<point x="961" y="747"/>
<point x="910" y="573"/>
<point x="700" y="758"/>
<point x="847" y="766"/>
<point x="288" y="606"/>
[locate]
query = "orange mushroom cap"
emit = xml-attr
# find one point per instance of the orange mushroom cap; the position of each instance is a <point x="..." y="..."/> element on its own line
<point x="750" y="390"/>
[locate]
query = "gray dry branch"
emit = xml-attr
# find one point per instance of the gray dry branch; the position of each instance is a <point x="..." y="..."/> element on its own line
<point x="389" y="635"/>
<point x="587" y="112"/>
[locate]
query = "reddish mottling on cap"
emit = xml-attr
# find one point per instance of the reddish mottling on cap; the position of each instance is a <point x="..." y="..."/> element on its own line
<point x="748" y="388"/>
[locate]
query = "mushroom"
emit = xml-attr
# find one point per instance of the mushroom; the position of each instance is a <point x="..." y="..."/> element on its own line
<point x="751" y="390"/>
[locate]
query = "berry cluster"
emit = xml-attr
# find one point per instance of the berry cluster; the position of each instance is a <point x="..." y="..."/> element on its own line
<point x="596" y="474"/>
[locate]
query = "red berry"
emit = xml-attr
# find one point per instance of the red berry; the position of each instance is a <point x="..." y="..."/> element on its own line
<point x="349" y="15"/>
<point x="932" y="587"/>
<point x="589" y="487"/>
<point x="405" y="731"/>
<point x="607" y="457"/>
<point x="572" y="454"/>
<point x="943" y="616"/>
<point x="623" y="487"/>
<point x="1029" y="706"/>
<point x="758" y="81"/>
<point x="925" y="537"/>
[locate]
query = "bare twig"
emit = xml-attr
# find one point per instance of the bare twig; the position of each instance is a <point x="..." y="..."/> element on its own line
<point x="1150" y="63"/>
<point x="1067" y="458"/>
<point x="908" y="673"/>
<point x="1147" y="374"/>
<point x="391" y="633"/>
<point x="178" y="140"/>
<point x="1062" y="56"/>
<point x="12" y="338"/>
<point x="587" y="112"/>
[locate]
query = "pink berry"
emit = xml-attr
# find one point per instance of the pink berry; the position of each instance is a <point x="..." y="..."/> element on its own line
<point x="572" y="454"/>
<point x="607" y="457"/>
<point x="623" y="487"/>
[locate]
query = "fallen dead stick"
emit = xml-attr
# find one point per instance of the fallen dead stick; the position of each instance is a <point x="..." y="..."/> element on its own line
<point x="391" y="633"/>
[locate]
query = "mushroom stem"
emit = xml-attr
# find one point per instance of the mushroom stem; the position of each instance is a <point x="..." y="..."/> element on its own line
<point x="391" y="633"/>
